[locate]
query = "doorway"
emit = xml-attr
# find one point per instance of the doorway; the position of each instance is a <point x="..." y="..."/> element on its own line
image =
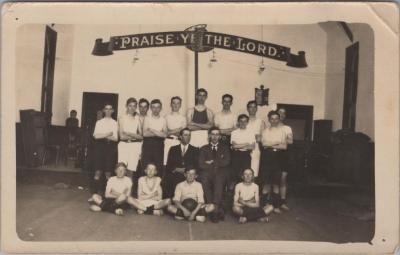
<point x="93" y="102"/>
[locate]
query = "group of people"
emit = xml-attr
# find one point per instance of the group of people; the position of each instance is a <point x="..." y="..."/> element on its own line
<point x="186" y="164"/>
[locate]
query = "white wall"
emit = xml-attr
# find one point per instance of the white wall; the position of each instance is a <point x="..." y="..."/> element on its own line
<point x="29" y="69"/>
<point x="165" y="72"/>
<point x="335" y="71"/>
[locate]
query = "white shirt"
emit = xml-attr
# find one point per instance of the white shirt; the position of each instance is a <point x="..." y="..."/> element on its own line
<point x="175" y="120"/>
<point x="144" y="187"/>
<point x="158" y="123"/>
<point x="243" y="136"/>
<point x="273" y="135"/>
<point x="186" y="190"/>
<point x="106" y="125"/>
<point x="246" y="192"/>
<point x="255" y="126"/>
<point x="129" y="123"/>
<point x="184" y="148"/>
<point x="121" y="185"/>
<point x="225" y="120"/>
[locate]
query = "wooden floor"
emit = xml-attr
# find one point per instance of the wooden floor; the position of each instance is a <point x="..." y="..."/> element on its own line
<point x="48" y="211"/>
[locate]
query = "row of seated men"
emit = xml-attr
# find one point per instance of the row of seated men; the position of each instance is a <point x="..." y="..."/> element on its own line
<point x="220" y="152"/>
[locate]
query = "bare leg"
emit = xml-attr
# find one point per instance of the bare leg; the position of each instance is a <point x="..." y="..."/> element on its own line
<point x="237" y="210"/>
<point x="209" y="208"/>
<point x="268" y="209"/>
<point x="135" y="203"/>
<point x="163" y="203"/>
<point x="283" y="190"/>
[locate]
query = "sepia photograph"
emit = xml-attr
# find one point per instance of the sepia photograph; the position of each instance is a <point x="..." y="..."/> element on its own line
<point x="198" y="130"/>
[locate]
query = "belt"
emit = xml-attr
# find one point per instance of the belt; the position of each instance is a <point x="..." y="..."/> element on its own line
<point x="272" y="149"/>
<point x="130" y="141"/>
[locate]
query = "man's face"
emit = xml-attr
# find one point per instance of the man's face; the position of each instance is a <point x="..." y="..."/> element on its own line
<point x="215" y="136"/>
<point x="143" y="108"/>
<point x="274" y="120"/>
<point x="191" y="175"/>
<point x="243" y="123"/>
<point x="176" y="105"/>
<point x="201" y="97"/>
<point x="248" y="176"/>
<point x="108" y="110"/>
<point x="120" y="171"/>
<point x="282" y="114"/>
<point x="185" y="137"/>
<point x="252" y="109"/>
<point x="156" y="109"/>
<point x="73" y="114"/>
<point x="131" y="107"/>
<point x="226" y="103"/>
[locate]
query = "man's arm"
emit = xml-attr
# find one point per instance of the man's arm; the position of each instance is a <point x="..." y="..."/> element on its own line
<point x="203" y="162"/>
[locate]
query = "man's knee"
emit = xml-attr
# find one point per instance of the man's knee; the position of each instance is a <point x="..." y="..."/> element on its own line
<point x="172" y="209"/>
<point x="209" y="208"/>
<point x="237" y="210"/>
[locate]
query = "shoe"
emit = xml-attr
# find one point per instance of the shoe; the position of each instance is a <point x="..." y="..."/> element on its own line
<point x="214" y="218"/>
<point x="140" y="211"/>
<point x="264" y="219"/>
<point x="277" y="210"/>
<point x="285" y="207"/>
<point x="221" y="216"/>
<point x="242" y="220"/>
<point x="119" y="212"/>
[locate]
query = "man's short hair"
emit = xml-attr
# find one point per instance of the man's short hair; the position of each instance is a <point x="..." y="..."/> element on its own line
<point x="273" y="113"/>
<point x="241" y="116"/>
<point x="176" y="97"/>
<point x="72" y="111"/>
<point x="131" y="100"/>
<point x="119" y="164"/>
<point x="144" y="100"/>
<point x="183" y="130"/>
<point x="201" y="90"/>
<point x="212" y="129"/>
<point x="251" y="102"/>
<point x="252" y="171"/>
<point x="188" y="168"/>
<point x="228" y="96"/>
<point x="156" y="101"/>
<point x="108" y="104"/>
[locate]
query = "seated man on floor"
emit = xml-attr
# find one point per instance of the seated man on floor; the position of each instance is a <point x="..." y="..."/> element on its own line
<point x="189" y="199"/>
<point x="246" y="202"/>
<point x="150" y="192"/>
<point x="117" y="194"/>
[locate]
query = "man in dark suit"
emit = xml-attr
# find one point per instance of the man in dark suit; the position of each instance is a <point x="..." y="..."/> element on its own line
<point x="214" y="160"/>
<point x="179" y="157"/>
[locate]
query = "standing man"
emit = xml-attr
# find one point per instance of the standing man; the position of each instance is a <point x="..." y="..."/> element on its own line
<point x="225" y="120"/>
<point x="286" y="158"/>
<point x="154" y="133"/>
<point x="180" y="156"/>
<point x="175" y="123"/>
<point x="274" y="143"/>
<point x="200" y="119"/>
<point x="214" y="159"/>
<point x="143" y="109"/>
<point x="106" y="138"/>
<point x="256" y="126"/>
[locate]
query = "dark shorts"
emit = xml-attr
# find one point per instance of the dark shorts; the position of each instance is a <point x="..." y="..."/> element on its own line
<point x="105" y="155"/>
<point x="241" y="160"/>
<point x="271" y="166"/>
<point x="109" y="205"/>
<point x="201" y="212"/>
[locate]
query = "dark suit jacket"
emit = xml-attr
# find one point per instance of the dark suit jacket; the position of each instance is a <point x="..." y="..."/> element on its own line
<point x="175" y="157"/>
<point x="222" y="160"/>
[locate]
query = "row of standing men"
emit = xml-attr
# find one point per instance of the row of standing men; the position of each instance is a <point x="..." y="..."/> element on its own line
<point x="177" y="142"/>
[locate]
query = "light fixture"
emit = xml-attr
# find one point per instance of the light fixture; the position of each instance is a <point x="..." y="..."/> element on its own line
<point x="213" y="59"/>
<point x="261" y="67"/>
<point x="136" y="57"/>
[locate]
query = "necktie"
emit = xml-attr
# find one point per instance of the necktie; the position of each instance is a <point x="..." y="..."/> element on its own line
<point x="214" y="151"/>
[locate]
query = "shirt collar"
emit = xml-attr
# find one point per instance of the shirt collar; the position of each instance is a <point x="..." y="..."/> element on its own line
<point x="214" y="145"/>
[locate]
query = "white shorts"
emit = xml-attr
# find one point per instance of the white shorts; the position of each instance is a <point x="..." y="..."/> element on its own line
<point x="129" y="153"/>
<point x="199" y="138"/>
<point x="255" y="160"/>
<point x="168" y="143"/>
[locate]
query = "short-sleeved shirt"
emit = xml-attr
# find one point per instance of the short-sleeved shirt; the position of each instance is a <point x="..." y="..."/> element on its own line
<point x="144" y="188"/>
<point x="155" y="123"/>
<point x="243" y="136"/>
<point x="175" y="120"/>
<point x="106" y="125"/>
<point x="118" y="184"/>
<point x="288" y="130"/>
<point x="224" y="120"/>
<point x="273" y="135"/>
<point x="247" y="192"/>
<point x="186" y="190"/>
